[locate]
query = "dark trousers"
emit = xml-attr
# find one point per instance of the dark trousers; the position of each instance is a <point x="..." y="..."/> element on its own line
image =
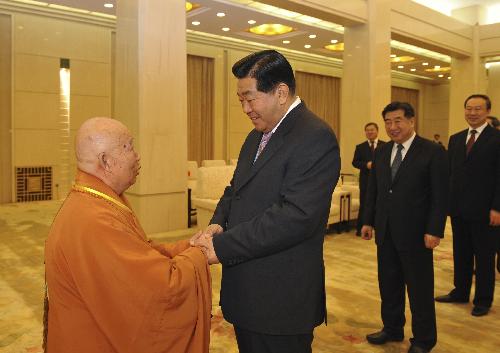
<point x="253" y="342"/>
<point x="362" y="196"/>
<point x="414" y="270"/>
<point x="474" y="242"/>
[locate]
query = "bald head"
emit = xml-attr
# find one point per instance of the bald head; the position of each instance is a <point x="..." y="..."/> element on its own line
<point x="104" y="149"/>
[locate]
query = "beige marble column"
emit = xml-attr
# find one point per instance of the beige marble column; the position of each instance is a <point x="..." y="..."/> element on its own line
<point x="468" y="77"/>
<point x="366" y="79"/>
<point x="494" y="88"/>
<point x="150" y="99"/>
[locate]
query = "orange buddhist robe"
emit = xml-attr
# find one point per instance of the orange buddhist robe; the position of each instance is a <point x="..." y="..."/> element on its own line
<point x="110" y="290"/>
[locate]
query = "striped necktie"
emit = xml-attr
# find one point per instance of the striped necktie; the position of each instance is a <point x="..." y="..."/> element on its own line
<point x="263" y="142"/>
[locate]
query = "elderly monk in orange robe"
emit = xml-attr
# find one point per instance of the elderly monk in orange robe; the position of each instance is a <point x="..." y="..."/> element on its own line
<point x="110" y="289"/>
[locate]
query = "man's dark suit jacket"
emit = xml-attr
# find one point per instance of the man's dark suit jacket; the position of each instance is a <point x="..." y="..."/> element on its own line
<point x="414" y="203"/>
<point x="363" y="155"/>
<point x="475" y="179"/>
<point x="274" y="214"/>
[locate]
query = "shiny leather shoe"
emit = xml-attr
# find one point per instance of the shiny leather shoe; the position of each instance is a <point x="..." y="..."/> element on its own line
<point x="382" y="337"/>
<point x="480" y="311"/>
<point x="417" y="349"/>
<point x="449" y="299"/>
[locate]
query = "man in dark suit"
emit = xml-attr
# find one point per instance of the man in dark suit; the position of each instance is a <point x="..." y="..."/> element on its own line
<point x="268" y="227"/>
<point x="474" y="159"/>
<point x="406" y="205"/>
<point x="363" y="157"/>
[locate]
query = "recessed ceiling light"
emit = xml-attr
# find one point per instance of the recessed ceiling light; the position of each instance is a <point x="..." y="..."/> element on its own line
<point x="437" y="67"/>
<point x="252" y="22"/>
<point x="221" y="14"/>
<point x="393" y="55"/>
<point x="441" y="75"/>
<point x="400" y="67"/>
<point x="286" y="42"/>
<point x="195" y="23"/>
<point x="312" y="36"/>
<point x="449" y="77"/>
<point x="413" y="69"/>
<point x="425" y="64"/>
<point x="307" y="46"/>
<point x="271" y="29"/>
<point x="109" y="5"/>
<point x="334" y="41"/>
<point x="226" y="29"/>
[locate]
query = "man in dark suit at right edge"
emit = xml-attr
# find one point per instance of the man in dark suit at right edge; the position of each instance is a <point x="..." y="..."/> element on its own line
<point x="474" y="159"/>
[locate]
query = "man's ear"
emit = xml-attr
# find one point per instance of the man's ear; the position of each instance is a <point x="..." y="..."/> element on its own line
<point x="283" y="92"/>
<point x="104" y="161"/>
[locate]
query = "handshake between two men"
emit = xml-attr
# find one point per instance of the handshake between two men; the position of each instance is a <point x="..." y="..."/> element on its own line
<point x="204" y="240"/>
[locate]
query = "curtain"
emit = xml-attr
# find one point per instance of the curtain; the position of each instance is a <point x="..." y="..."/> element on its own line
<point x="200" y="107"/>
<point x="321" y="94"/>
<point x="406" y="95"/>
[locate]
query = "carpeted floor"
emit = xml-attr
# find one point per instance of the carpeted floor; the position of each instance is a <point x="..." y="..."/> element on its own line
<point x="352" y="293"/>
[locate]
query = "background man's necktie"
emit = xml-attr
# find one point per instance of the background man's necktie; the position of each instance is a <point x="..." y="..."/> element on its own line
<point x="263" y="142"/>
<point x="372" y="147"/>
<point x="471" y="141"/>
<point x="397" y="161"/>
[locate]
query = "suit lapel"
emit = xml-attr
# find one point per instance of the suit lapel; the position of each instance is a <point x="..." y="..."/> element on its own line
<point x="385" y="160"/>
<point x="274" y="144"/>
<point x="409" y="158"/>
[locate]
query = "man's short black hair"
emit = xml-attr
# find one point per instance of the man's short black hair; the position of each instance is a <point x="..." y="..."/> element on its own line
<point x="269" y="68"/>
<point x="408" y="110"/>
<point x="371" y="124"/>
<point x="483" y="96"/>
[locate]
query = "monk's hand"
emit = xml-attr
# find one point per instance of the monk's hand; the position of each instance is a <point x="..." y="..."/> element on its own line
<point x="206" y="244"/>
<point x="367" y="232"/>
<point x="431" y="241"/>
<point x="195" y="237"/>
<point x="494" y="218"/>
<point x="213" y="229"/>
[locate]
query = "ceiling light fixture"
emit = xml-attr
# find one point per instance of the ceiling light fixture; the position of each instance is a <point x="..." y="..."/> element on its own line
<point x="312" y="36"/>
<point x="189" y="6"/>
<point x="226" y="29"/>
<point x="334" y="41"/>
<point x="307" y="46"/>
<point x="252" y="22"/>
<point x="335" y="47"/>
<point x="425" y="64"/>
<point x="195" y="23"/>
<point x="286" y="42"/>
<point x="413" y="70"/>
<point x="441" y="75"/>
<point x="109" y="5"/>
<point x="402" y="59"/>
<point x="401" y="67"/>
<point x="271" y="29"/>
<point x="221" y="14"/>
<point x="393" y="55"/>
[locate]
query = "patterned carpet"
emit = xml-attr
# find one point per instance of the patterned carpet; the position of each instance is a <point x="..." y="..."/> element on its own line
<point x="352" y="293"/>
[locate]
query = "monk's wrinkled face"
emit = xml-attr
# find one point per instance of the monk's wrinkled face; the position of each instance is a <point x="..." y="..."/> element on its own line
<point x="125" y="161"/>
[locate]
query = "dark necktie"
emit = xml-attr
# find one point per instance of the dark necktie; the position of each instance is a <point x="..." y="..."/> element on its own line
<point x="397" y="161"/>
<point x="471" y="141"/>
<point x="372" y="148"/>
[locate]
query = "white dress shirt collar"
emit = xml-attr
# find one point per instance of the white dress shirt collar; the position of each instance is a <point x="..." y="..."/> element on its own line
<point x="294" y="104"/>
